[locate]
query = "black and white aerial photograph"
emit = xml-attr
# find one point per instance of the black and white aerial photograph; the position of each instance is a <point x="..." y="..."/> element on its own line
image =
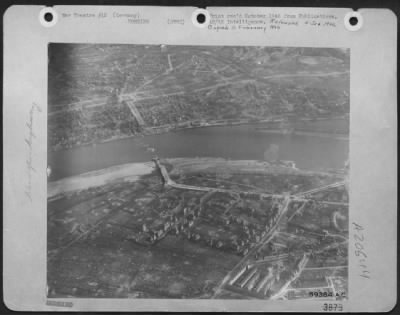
<point x="197" y="172"/>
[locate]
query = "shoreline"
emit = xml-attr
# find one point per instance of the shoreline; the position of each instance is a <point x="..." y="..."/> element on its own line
<point x="133" y="171"/>
<point x="127" y="172"/>
<point x="169" y="128"/>
<point x="338" y="136"/>
<point x="237" y="167"/>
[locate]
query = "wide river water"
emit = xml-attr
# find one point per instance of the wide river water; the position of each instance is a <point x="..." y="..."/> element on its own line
<point x="243" y="142"/>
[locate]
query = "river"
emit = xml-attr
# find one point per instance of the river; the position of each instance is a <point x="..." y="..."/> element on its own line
<point x="242" y="142"/>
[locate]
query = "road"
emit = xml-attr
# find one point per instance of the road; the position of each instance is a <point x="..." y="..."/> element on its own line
<point x="224" y="82"/>
<point x="318" y="189"/>
<point x="303" y="262"/>
<point x="298" y="197"/>
<point x="286" y="199"/>
<point x="168" y="181"/>
<point x="251" y="253"/>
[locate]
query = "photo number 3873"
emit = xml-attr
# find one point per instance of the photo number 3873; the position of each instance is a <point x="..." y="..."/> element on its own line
<point x="332" y="307"/>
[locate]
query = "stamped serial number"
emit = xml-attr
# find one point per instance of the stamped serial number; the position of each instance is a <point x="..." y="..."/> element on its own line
<point x="332" y="307"/>
<point x="325" y="294"/>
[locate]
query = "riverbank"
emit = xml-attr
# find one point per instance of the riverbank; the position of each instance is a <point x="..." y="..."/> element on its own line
<point x="220" y="165"/>
<point x="276" y="124"/>
<point x="126" y="172"/>
<point x="133" y="171"/>
<point x="305" y="133"/>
